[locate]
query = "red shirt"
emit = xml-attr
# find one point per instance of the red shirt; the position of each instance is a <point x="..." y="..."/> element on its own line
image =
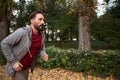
<point x="35" y="47"/>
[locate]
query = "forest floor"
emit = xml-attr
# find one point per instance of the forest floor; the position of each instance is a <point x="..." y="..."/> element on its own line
<point x="54" y="74"/>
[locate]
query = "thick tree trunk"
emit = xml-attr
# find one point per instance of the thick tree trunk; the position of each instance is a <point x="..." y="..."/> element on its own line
<point x="3" y="28"/>
<point x="42" y="8"/>
<point x="84" y="33"/>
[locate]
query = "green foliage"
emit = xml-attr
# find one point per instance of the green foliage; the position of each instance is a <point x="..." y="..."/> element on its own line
<point x="107" y="29"/>
<point x="62" y="44"/>
<point x="21" y="12"/>
<point x="96" y="44"/>
<point x="58" y="18"/>
<point x="97" y="63"/>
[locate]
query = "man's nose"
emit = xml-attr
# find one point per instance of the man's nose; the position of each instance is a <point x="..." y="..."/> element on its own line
<point x="42" y="21"/>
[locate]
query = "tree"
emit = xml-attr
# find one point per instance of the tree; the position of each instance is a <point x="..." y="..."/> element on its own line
<point x="43" y="6"/>
<point x="22" y="10"/>
<point x="58" y="17"/>
<point x="85" y="12"/>
<point x="107" y="27"/>
<point x="5" y="14"/>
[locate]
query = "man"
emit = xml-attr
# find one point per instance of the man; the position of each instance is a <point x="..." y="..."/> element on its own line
<point x="23" y="46"/>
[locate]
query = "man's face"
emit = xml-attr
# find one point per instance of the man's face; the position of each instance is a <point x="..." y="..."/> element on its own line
<point x="38" y="21"/>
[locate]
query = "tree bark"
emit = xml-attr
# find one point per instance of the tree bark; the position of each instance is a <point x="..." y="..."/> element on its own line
<point x="5" y="14"/>
<point x="3" y="27"/>
<point x="84" y="32"/>
<point x="42" y="8"/>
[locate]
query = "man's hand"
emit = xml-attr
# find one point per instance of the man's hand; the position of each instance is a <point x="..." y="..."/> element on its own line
<point x="17" y="66"/>
<point x="45" y="57"/>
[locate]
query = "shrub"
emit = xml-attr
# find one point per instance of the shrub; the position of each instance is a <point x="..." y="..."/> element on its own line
<point x="98" y="63"/>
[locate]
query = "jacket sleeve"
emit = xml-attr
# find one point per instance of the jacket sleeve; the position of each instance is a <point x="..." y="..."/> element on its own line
<point x="9" y="42"/>
<point x="43" y="49"/>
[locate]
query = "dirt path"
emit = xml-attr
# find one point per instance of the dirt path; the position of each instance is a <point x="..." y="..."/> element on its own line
<point x="53" y="74"/>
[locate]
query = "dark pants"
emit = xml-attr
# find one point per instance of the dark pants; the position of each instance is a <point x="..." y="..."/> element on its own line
<point x="21" y="75"/>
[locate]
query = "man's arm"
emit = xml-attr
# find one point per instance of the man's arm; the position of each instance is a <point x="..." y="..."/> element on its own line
<point x="8" y="43"/>
<point x="43" y="53"/>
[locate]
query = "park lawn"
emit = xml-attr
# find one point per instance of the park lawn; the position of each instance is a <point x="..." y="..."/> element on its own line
<point x="54" y="74"/>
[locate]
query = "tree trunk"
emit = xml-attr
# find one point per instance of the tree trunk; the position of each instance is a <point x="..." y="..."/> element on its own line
<point x="84" y="32"/>
<point x="3" y="28"/>
<point x="42" y="8"/>
<point x="5" y="14"/>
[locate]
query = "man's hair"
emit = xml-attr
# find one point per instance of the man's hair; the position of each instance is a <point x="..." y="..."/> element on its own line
<point x="33" y="14"/>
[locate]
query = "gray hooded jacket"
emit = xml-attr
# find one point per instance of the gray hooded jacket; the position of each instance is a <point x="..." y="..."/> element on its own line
<point x="16" y="45"/>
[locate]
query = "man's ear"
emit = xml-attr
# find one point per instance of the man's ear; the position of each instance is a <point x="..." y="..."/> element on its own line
<point x="32" y="20"/>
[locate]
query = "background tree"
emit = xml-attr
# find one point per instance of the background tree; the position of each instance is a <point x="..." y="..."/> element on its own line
<point x="5" y="14"/>
<point x="58" y="18"/>
<point x="86" y="9"/>
<point x="107" y="27"/>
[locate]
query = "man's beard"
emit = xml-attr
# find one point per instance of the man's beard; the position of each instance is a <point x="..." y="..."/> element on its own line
<point x="39" y="28"/>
